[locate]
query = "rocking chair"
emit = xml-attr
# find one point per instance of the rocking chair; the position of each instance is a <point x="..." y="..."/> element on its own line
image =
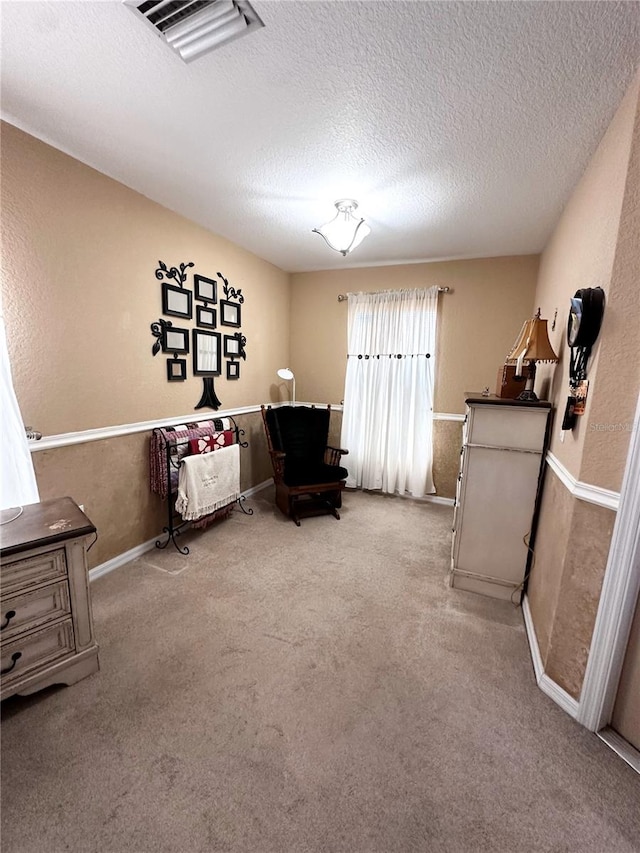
<point x="306" y="470"/>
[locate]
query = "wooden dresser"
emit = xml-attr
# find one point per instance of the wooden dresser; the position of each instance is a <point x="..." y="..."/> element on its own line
<point x="46" y="626"/>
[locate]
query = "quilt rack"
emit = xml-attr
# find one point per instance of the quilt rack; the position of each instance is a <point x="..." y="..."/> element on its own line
<point x="168" y="448"/>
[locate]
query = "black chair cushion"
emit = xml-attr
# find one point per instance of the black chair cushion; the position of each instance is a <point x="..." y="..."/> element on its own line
<point x="305" y="474"/>
<point x="301" y="432"/>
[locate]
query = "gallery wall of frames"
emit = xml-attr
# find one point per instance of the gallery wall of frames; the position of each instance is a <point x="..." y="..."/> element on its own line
<point x="200" y="332"/>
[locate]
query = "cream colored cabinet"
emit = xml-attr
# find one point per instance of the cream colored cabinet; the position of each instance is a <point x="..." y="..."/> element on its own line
<point x="500" y="466"/>
<point x="46" y="626"/>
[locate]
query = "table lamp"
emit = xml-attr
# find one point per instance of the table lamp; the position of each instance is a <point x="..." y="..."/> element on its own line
<point x="532" y="345"/>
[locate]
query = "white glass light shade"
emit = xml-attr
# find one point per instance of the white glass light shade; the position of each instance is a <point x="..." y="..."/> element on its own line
<point x="287" y="374"/>
<point x="345" y="231"/>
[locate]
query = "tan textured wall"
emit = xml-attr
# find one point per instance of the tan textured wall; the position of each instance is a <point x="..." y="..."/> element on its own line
<point x="580" y="586"/>
<point x="626" y="275"/>
<point x="447" y="442"/>
<point x="568" y="574"/>
<point x="111" y="479"/>
<point x="606" y="443"/>
<point x="79" y="252"/>
<point x="597" y="240"/>
<point x="556" y="509"/>
<point x="477" y="322"/>
<point x="580" y="254"/>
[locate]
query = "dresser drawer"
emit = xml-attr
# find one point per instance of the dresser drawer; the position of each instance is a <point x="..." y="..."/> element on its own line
<point x="508" y="427"/>
<point x="18" y="574"/>
<point x="29" y="610"/>
<point x="35" y="650"/>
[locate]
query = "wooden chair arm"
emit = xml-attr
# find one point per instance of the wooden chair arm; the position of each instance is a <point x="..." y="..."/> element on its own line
<point x="333" y="454"/>
<point x="277" y="460"/>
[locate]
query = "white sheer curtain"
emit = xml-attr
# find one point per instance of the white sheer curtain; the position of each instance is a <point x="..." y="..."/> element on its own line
<point x="17" y="479"/>
<point x="387" y="424"/>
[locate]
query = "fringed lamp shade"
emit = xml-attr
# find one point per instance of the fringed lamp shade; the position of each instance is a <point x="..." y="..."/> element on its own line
<point x="532" y="345"/>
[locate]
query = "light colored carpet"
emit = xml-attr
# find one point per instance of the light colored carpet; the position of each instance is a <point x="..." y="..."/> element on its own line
<point x="285" y="689"/>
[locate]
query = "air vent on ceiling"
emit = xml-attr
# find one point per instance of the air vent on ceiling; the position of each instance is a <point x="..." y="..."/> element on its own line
<point x="195" y="27"/>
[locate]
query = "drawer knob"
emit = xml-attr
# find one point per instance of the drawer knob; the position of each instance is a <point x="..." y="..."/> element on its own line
<point x="15" y="657"/>
<point x="8" y="616"/>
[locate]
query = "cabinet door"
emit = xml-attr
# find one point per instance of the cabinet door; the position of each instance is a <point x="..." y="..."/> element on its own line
<point x="499" y="491"/>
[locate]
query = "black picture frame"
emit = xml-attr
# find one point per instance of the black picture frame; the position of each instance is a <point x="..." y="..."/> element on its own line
<point x="176" y="301"/>
<point x="206" y="354"/>
<point x="206" y="289"/>
<point x="233" y="370"/>
<point x="206" y="316"/>
<point x="231" y="346"/>
<point x="230" y="313"/>
<point x="175" y="339"/>
<point x="176" y="369"/>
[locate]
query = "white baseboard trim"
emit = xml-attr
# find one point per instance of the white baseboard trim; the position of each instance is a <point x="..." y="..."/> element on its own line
<point x="436" y="499"/>
<point x="122" y="559"/>
<point x="568" y="704"/>
<point x="549" y="687"/>
<point x="139" y="550"/>
<point x="583" y="491"/>
<point x="255" y="489"/>
<point x="622" y="747"/>
<point x="532" y="639"/>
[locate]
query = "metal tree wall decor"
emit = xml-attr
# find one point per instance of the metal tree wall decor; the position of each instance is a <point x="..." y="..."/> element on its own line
<point x="207" y="348"/>
<point x="179" y="276"/>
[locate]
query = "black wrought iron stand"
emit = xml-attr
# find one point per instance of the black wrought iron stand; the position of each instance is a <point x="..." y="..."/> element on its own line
<point x="172" y="529"/>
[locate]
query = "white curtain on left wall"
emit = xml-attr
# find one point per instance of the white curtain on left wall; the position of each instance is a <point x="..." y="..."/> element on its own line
<point x="17" y="478"/>
<point x="387" y="425"/>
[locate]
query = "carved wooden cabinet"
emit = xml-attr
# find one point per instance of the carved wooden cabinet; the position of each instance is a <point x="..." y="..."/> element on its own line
<point x="45" y="616"/>
<point x="500" y="465"/>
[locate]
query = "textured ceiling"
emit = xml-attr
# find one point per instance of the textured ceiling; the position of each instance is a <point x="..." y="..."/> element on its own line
<point x="460" y="127"/>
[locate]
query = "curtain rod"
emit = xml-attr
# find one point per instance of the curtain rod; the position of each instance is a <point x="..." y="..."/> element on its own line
<point x="342" y="297"/>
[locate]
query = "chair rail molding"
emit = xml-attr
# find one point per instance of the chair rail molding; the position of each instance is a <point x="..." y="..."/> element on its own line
<point x="448" y="416"/>
<point x="582" y="491"/>
<point x="64" y="439"/>
<point x="618" y="599"/>
<point x="48" y="442"/>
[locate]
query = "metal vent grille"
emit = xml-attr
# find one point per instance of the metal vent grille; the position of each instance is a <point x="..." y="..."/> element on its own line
<point x="195" y="27"/>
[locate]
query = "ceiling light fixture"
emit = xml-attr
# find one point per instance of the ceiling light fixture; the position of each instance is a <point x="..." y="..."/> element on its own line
<point x="194" y="27"/>
<point x="345" y="231"/>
